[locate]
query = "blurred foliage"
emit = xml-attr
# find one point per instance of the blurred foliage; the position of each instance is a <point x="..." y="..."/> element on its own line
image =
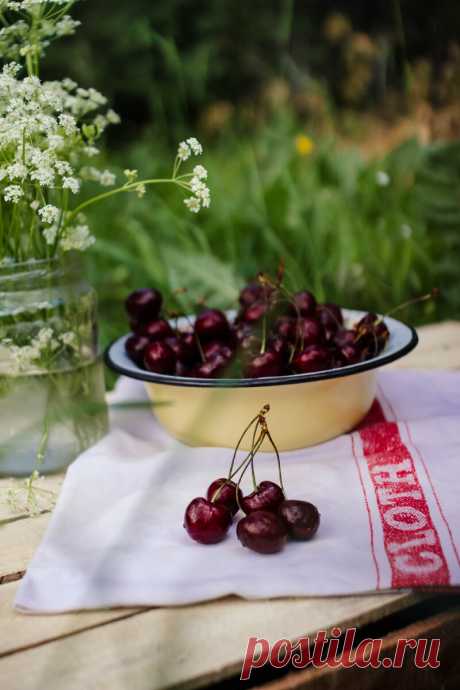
<point x="375" y="86"/>
<point x="368" y="234"/>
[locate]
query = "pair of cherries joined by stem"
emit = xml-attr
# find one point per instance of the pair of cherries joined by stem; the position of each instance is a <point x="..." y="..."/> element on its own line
<point x="270" y="519"/>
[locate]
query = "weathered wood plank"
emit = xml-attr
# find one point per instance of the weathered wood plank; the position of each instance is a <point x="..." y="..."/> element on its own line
<point x="18" y="542"/>
<point x="189" y="646"/>
<point x="438" y="348"/>
<point x="48" y="488"/>
<point x="28" y="631"/>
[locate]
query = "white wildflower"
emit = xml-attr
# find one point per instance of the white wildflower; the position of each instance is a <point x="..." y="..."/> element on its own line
<point x="44" y="176"/>
<point x="13" y="193"/>
<point x="44" y="337"/>
<point x="68" y="123"/>
<point x="56" y="141"/>
<point x="16" y="171"/>
<point x="140" y="190"/>
<point x="77" y="237"/>
<point x="183" y="151"/>
<point x="406" y="231"/>
<point x="112" y="117"/>
<point x="382" y="178"/>
<point x="71" y="183"/>
<point x="196" y="185"/>
<point x="195" y="145"/>
<point x="50" y="234"/>
<point x="107" y="178"/>
<point x="193" y="204"/>
<point x="200" y="172"/>
<point x="49" y="213"/>
<point x="63" y="167"/>
<point x="90" y="151"/>
<point x="66" y="26"/>
<point x="131" y="175"/>
<point x="69" y="338"/>
<point x="35" y="205"/>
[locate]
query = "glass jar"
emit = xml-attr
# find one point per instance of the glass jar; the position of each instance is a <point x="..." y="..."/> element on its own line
<point x="52" y="403"/>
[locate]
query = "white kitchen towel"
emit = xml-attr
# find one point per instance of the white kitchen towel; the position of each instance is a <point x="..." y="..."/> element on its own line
<point x="388" y="495"/>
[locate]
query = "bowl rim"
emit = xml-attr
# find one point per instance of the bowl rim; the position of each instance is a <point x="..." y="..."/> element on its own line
<point x="116" y="359"/>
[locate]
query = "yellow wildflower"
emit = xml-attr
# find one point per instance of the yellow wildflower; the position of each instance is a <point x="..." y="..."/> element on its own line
<point x="304" y="145"/>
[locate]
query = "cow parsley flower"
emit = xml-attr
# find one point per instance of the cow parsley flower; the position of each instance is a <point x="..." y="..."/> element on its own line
<point x="77" y="237"/>
<point x="49" y="213"/>
<point x="13" y="193"/>
<point x="71" y="183"/>
<point x="382" y="178"/>
<point x="195" y="146"/>
<point x="193" y="204"/>
<point x="107" y="178"/>
<point x="183" y="152"/>
<point x="200" y="172"/>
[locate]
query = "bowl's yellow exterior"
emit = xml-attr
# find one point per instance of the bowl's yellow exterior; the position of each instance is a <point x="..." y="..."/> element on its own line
<point x="301" y="414"/>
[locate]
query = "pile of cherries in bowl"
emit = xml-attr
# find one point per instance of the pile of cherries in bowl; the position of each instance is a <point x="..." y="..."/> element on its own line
<point x="274" y="333"/>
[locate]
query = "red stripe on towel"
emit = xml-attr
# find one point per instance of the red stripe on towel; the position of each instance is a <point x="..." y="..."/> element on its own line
<point x="411" y="540"/>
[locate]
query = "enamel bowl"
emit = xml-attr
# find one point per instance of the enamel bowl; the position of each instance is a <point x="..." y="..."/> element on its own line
<point x="305" y="409"/>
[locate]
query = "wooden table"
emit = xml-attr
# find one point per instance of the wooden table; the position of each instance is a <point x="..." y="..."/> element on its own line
<point x="203" y="645"/>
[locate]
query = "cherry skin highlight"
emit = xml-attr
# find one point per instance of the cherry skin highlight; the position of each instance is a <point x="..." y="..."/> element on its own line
<point x="267" y="496"/>
<point x="227" y="494"/>
<point x="206" y="522"/>
<point x="300" y="517"/>
<point x="262" y="531"/>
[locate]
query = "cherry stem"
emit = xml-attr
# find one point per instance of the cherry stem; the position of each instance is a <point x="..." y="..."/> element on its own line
<point x="431" y="295"/>
<point x="250" y="459"/>
<point x="254" y="419"/>
<point x="278" y="459"/>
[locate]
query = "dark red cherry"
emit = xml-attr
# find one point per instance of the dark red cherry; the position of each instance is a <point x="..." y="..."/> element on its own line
<point x="285" y="326"/>
<point x="211" y="368"/>
<point x="206" y="522"/>
<point x="144" y="304"/>
<point x="182" y="369"/>
<point x="157" y="330"/>
<point x="189" y="348"/>
<point x="223" y="492"/>
<point x="240" y="331"/>
<point x="214" y="348"/>
<point x="344" y="337"/>
<point x="278" y="345"/>
<point x="306" y="331"/>
<point x="135" y="346"/>
<point x="267" y="496"/>
<point x="330" y="317"/>
<point x="262" y="531"/>
<point x="301" y="519"/>
<point x="311" y="358"/>
<point x="254" y="292"/>
<point x="253" y="313"/>
<point x="267" y="364"/>
<point x="159" y="358"/>
<point x="349" y="354"/>
<point x="212" y="324"/>
<point x="303" y="304"/>
<point x="372" y="334"/>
